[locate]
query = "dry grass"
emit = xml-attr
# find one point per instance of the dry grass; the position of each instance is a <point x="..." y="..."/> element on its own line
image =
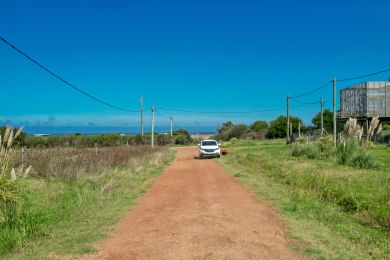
<point x="8" y="190"/>
<point x="79" y="162"/>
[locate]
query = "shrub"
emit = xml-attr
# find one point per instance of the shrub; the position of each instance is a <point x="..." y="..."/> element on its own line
<point x="181" y="140"/>
<point x="182" y="137"/>
<point x="325" y="145"/>
<point x="237" y="131"/>
<point x="346" y="150"/>
<point x="259" y="135"/>
<point x="310" y="151"/>
<point x="277" y="127"/>
<point x="300" y="140"/>
<point x="364" y="160"/>
<point x="298" y="150"/>
<point x="348" y="203"/>
<point x="258" y="125"/>
<point x="163" y="139"/>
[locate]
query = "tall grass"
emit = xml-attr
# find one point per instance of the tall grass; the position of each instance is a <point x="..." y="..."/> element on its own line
<point x="79" y="162"/>
<point x="8" y="190"/>
<point x="347" y="152"/>
<point x="64" y="183"/>
<point x="348" y="204"/>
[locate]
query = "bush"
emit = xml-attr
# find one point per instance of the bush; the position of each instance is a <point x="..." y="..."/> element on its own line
<point x="348" y="203"/>
<point x="300" y="140"/>
<point x="163" y="139"/>
<point x="310" y="151"/>
<point x="259" y="135"/>
<point x="347" y="153"/>
<point x="181" y="140"/>
<point x="298" y="150"/>
<point x="346" y="150"/>
<point x="364" y="160"/>
<point x="325" y="145"/>
<point x="277" y="127"/>
<point x="182" y="137"/>
<point x="258" y="126"/>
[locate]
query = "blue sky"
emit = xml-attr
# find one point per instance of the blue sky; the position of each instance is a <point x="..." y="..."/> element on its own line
<point x="194" y="55"/>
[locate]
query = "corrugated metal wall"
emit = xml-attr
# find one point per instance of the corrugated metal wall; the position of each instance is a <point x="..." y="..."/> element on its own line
<point x="367" y="99"/>
<point x="353" y="102"/>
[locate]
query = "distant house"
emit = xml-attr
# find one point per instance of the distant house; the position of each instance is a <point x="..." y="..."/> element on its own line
<point x="41" y="134"/>
<point x="365" y="100"/>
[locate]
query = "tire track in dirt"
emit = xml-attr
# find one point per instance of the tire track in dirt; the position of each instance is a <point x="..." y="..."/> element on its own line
<point x="195" y="210"/>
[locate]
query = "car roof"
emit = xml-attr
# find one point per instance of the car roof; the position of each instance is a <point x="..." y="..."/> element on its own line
<point x="209" y="140"/>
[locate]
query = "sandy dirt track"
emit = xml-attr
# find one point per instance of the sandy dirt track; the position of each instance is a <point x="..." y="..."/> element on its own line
<point x="195" y="210"/>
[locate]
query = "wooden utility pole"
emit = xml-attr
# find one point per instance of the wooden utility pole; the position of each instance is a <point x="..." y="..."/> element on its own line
<point x="288" y="121"/>
<point x="142" y="119"/>
<point x="152" y="126"/>
<point x="299" y="129"/>
<point x="334" y="113"/>
<point x="170" y="118"/>
<point x="322" y="116"/>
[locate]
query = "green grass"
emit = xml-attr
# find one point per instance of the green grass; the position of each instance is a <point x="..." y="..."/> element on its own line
<point x="332" y="211"/>
<point x="65" y="218"/>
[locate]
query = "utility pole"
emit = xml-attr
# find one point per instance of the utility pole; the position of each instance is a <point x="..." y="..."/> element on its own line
<point x="288" y="121"/>
<point x="142" y="120"/>
<point x="299" y="129"/>
<point x="322" y="116"/>
<point x="152" y="126"/>
<point x="334" y="112"/>
<point x="170" y="118"/>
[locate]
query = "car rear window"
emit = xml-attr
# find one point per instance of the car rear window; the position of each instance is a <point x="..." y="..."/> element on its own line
<point x="209" y="143"/>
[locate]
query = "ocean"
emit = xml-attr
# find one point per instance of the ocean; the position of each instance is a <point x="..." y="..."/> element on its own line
<point x="91" y="130"/>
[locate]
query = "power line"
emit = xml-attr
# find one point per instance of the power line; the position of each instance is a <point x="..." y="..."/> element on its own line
<point x="161" y="114"/>
<point x="306" y="103"/>
<point x="312" y="91"/>
<point x="63" y="80"/>
<point x="309" y="103"/>
<point x="364" y="76"/>
<point x="219" y="112"/>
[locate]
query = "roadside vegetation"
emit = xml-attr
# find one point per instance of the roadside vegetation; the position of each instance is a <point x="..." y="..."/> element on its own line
<point x="333" y="210"/>
<point x="60" y="201"/>
<point x="351" y="149"/>
<point x="180" y="137"/>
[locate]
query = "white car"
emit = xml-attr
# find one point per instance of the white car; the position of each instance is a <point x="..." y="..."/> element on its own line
<point x="209" y="148"/>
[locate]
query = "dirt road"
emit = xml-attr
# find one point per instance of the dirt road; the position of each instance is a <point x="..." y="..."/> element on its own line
<point x="197" y="211"/>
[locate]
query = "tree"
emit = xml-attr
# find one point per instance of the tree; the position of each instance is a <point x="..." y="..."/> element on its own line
<point x="258" y="125"/>
<point x="278" y="126"/>
<point x="236" y="131"/>
<point x="328" y="120"/>
<point x="182" y="136"/>
<point x="228" y="130"/>
<point x="225" y="126"/>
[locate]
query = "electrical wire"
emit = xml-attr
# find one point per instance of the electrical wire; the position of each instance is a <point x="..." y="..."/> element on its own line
<point x="312" y="91"/>
<point x="161" y="114"/>
<point x="62" y="79"/>
<point x="363" y="76"/>
<point x="219" y="112"/>
<point x="306" y="103"/>
<point x="310" y="103"/>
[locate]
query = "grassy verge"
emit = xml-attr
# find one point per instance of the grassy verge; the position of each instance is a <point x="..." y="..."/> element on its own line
<point x="332" y="211"/>
<point x="65" y="217"/>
